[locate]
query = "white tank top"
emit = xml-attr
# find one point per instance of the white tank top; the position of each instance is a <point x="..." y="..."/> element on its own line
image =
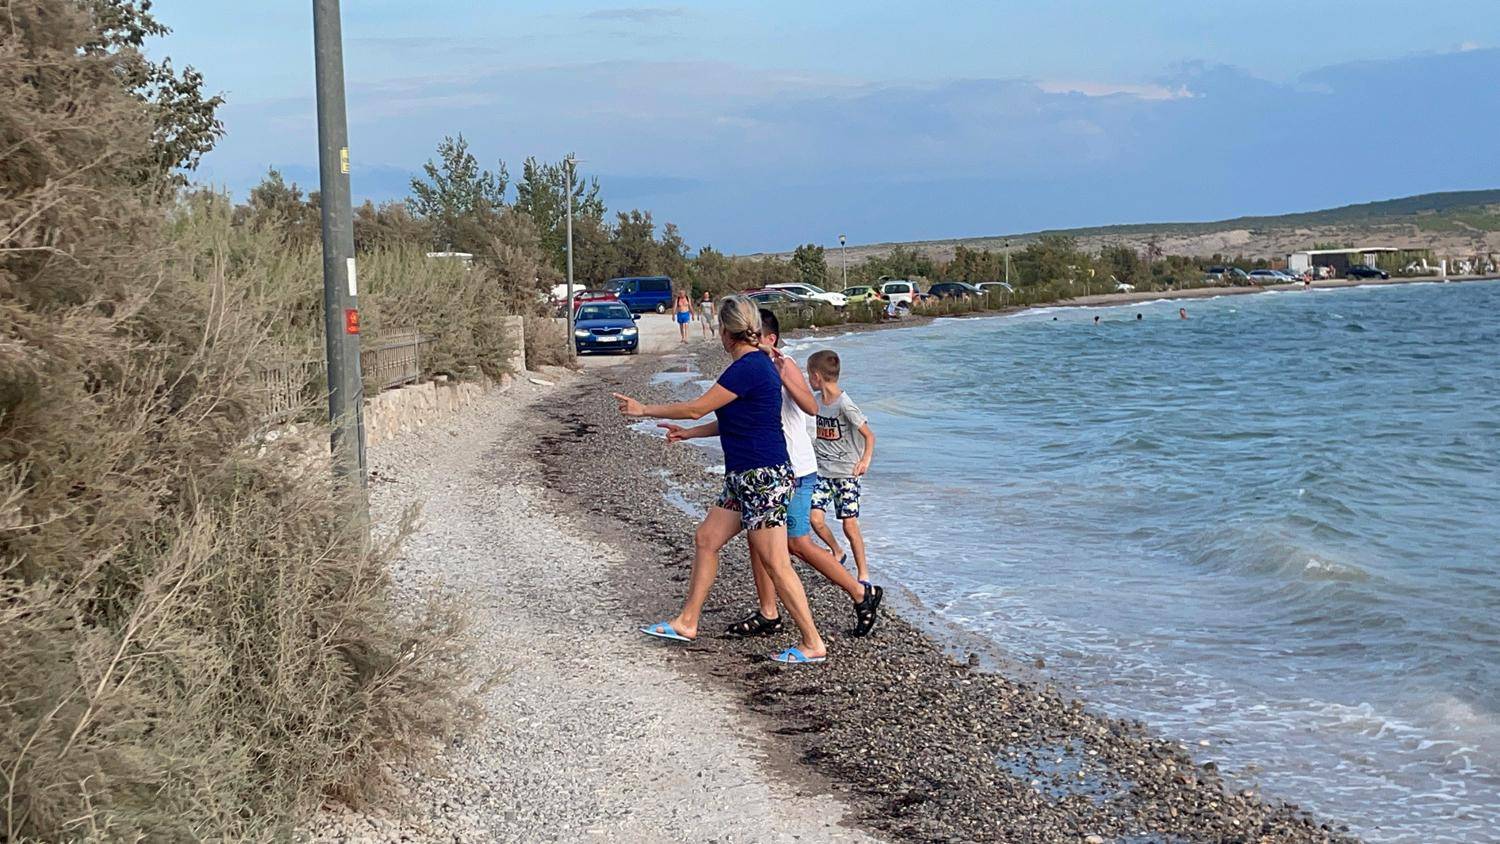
<point x="799" y="446"/>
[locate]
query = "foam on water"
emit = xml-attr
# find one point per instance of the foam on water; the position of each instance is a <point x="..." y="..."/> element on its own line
<point x="1271" y="526"/>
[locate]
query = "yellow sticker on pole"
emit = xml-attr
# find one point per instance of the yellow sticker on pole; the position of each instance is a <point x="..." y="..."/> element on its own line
<point x="344" y="160"/>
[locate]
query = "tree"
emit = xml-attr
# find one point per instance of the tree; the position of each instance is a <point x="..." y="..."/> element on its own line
<point x="711" y="272"/>
<point x="810" y="264"/>
<point x="541" y="194"/>
<point x="185" y="123"/>
<point x="389" y="225"/>
<point x="635" y="242"/>
<point x="457" y="196"/>
<point x="277" y="204"/>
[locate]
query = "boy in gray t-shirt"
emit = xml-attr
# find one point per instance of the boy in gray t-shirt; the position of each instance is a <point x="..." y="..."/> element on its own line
<point x="844" y="446"/>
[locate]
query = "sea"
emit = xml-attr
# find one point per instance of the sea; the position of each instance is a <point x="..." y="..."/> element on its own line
<point x="1270" y="530"/>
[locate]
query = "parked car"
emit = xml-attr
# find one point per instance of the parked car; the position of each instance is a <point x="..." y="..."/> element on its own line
<point x="769" y="296"/>
<point x="811" y="291"/>
<point x="643" y="293"/>
<point x="1122" y="287"/>
<point x="900" y="291"/>
<point x="954" y="290"/>
<point x="1364" y="271"/>
<point x="606" y="327"/>
<point x="859" y="293"/>
<point x="584" y="297"/>
<point x="995" y="287"/>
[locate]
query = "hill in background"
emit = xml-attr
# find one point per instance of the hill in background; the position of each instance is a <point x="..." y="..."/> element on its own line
<point x="1452" y="224"/>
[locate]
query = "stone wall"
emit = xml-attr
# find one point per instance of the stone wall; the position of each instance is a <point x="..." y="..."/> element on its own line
<point x="409" y="408"/>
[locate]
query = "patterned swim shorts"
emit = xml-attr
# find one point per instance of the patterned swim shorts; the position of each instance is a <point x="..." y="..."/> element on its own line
<point x="760" y="496"/>
<point x="840" y="495"/>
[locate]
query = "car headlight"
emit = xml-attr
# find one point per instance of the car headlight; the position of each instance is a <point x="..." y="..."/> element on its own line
<point x="629" y="332"/>
<point x="580" y="332"/>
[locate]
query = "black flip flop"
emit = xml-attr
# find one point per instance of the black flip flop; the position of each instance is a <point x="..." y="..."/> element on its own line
<point x="754" y="625"/>
<point x="866" y="611"/>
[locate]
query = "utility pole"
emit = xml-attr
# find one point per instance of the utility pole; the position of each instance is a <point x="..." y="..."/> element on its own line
<point x="844" y="258"/>
<point x="340" y="287"/>
<point x="1007" y="261"/>
<point x="572" y="341"/>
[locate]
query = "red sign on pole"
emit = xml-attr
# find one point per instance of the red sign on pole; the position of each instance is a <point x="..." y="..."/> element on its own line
<point x="351" y="321"/>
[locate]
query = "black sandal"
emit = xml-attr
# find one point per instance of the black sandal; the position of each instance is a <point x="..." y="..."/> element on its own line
<point x="865" y="612"/>
<point x="755" y="625"/>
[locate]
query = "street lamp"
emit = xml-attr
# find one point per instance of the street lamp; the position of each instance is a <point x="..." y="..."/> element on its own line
<point x="1006" y="245"/>
<point x="844" y="258"/>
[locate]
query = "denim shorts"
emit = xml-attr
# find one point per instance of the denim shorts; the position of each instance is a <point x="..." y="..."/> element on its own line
<point x="760" y="496"/>
<point x="799" y="509"/>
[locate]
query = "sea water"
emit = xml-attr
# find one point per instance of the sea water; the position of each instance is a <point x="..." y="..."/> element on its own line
<point x="1273" y="527"/>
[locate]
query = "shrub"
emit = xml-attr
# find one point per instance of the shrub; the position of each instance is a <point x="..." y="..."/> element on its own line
<point x="198" y="642"/>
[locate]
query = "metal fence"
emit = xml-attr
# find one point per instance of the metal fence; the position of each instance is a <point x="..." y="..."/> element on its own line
<point x="291" y="386"/>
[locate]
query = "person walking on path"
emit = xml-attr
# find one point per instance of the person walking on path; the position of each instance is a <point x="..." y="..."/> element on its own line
<point x="758" y="480"/>
<point x="684" y="311"/>
<point x="706" y="315"/>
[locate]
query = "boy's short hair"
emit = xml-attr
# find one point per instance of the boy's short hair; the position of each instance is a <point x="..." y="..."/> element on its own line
<point x="769" y="324"/>
<point x="825" y="362"/>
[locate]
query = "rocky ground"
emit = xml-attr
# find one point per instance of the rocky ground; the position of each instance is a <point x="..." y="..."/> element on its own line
<point x="588" y="735"/>
<point x="933" y="747"/>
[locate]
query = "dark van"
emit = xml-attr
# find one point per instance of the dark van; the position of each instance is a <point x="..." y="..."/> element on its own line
<point x="644" y="293"/>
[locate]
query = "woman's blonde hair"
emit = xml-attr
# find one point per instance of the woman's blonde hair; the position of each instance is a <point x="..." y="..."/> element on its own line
<point x="740" y="317"/>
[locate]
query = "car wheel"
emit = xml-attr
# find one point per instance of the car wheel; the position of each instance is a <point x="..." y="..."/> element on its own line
<point x="661" y="307"/>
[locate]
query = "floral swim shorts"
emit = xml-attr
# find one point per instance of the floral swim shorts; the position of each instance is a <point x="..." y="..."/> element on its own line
<point x="840" y="495"/>
<point x="760" y="496"/>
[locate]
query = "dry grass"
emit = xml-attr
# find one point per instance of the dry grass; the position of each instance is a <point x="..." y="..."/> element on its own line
<point x="198" y="644"/>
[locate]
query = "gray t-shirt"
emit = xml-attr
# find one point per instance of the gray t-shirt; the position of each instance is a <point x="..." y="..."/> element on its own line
<point x="839" y="443"/>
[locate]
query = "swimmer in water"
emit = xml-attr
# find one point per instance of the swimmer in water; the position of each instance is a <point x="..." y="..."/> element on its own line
<point x="1182" y="313"/>
<point x="1138" y="317"/>
<point x="1096" y="319"/>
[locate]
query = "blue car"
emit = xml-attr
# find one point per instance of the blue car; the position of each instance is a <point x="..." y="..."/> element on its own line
<point x="643" y="293"/>
<point x="606" y="327"/>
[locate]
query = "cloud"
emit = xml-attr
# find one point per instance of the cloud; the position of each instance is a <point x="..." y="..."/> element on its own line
<point x="1467" y="46"/>
<point x="637" y="14"/>
<point x="752" y="159"/>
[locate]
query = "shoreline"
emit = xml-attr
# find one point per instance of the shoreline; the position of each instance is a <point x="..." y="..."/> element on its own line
<point x="1106" y="300"/>
<point x="932" y="737"/>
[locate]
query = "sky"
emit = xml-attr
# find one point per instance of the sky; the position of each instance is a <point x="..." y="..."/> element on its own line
<point x="759" y="126"/>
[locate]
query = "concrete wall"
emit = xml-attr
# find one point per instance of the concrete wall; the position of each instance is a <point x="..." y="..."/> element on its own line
<point x="409" y="408"/>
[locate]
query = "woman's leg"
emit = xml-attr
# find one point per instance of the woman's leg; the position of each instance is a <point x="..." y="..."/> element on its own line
<point x="770" y="543"/>
<point x="715" y="531"/>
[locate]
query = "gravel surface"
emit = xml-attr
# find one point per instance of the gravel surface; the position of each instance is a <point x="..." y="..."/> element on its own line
<point x="589" y="736"/>
<point x="934" y="747"/>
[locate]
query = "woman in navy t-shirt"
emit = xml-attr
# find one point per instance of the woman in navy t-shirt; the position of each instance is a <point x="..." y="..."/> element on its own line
<point x="757" y="478"/>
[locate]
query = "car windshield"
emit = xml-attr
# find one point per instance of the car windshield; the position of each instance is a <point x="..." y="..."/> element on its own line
<point x="603" y="312"/>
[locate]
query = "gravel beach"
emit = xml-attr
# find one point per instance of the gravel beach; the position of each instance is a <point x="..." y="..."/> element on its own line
<point x="933" y="746"/>
<point x="588" y="736"/>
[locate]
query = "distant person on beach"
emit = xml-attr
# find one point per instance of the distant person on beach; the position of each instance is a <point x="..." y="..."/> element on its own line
<point x="758" y="479"/>
<point x="684" y="311"/>
<point x="1182" y="313"/>
<point x="706" y="314"/>
<point x="798" y="404"/>
<point x="845" y="447"/>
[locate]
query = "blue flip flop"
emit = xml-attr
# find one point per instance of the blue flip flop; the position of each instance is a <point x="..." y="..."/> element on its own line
<point x="663" y="630"/>
<point x="795" y="656"/>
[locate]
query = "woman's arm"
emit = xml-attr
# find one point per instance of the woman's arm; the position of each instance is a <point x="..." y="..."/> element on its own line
<point x="677" y="433"/>
<point x="715" y="398"/>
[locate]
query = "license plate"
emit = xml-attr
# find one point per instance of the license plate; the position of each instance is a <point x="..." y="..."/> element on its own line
<point x="606" y="339"/>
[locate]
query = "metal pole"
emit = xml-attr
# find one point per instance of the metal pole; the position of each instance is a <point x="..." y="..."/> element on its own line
<point x="340" y="288"/>
<point x="1007" y="262"/>
<point x="844" y="258"/>
<point x="572" y="342"/>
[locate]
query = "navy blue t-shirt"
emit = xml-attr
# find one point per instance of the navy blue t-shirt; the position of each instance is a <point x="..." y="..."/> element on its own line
<point x="750" y="426"/>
